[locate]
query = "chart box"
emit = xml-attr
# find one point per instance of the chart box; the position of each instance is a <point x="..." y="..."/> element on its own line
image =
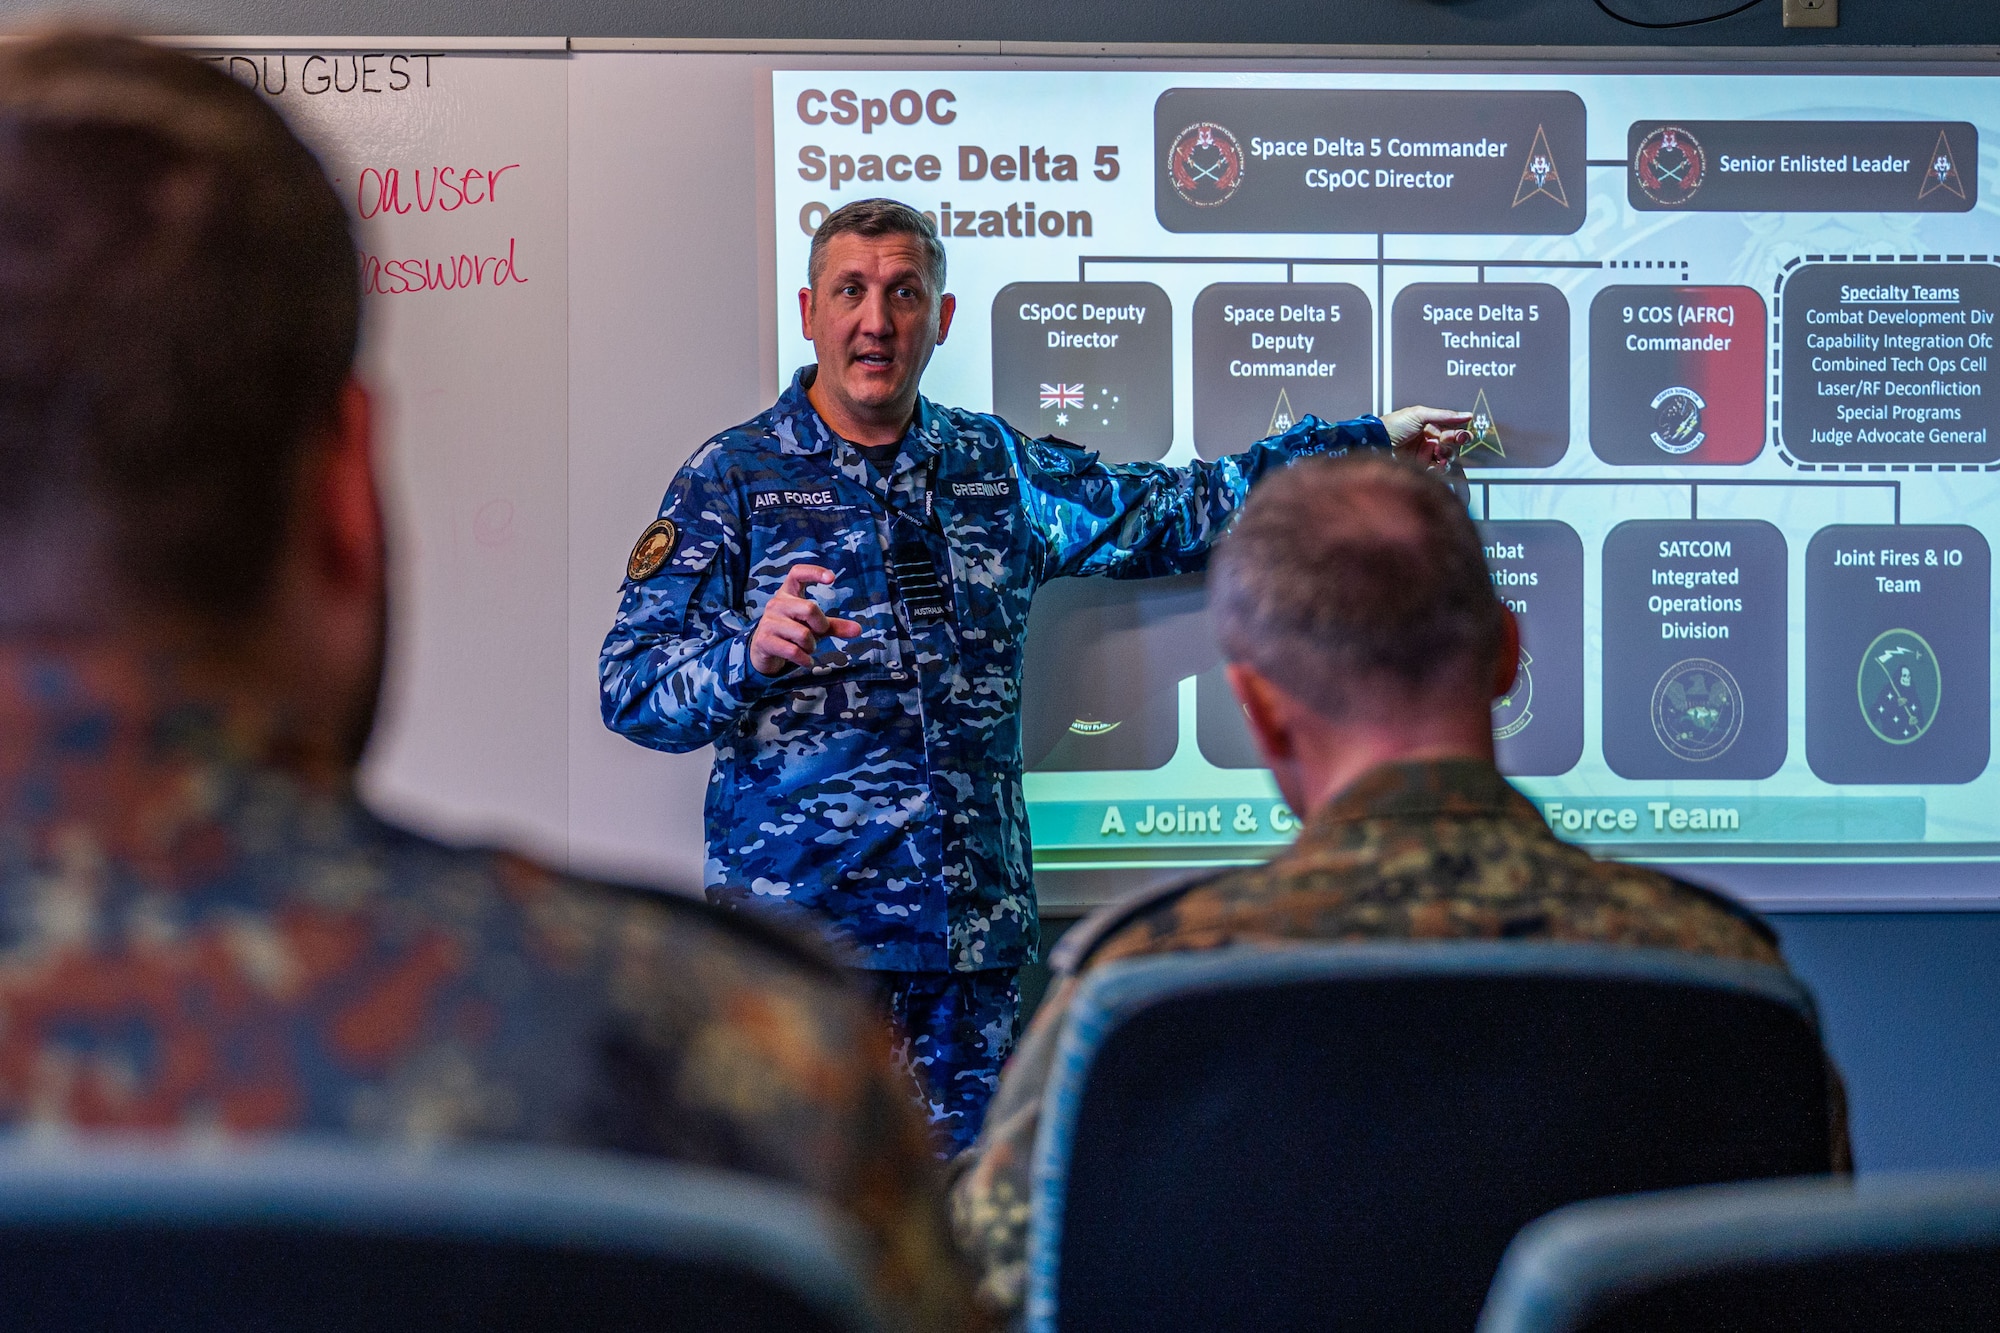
<point x="1802" y="166"/>
<point x="1268" y="353"/>
<point x="1220" y="730"/>
<point x="1353" y="160"/>
<point x="1497" y="349"/>
<point x="1889" y="363"/>
<point x="1101" y="672"/>
<point x="1694" y="649"/>
<point x="1091" y="362"/>
<point x="1537" y="569"/>
<point x="1898" y="654"/>
<point x="1677" y="375"/>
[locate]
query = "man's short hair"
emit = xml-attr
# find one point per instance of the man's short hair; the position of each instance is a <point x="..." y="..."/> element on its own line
<point x="1353" y="582"/>
<point x="179" y="300"/>
<point x="878" y="217"/>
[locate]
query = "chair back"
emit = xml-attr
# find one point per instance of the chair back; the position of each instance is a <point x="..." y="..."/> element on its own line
<point x="312" y="1237"/>
<point x="1889" y="1253"/>
<point x="1347" y="1136"/>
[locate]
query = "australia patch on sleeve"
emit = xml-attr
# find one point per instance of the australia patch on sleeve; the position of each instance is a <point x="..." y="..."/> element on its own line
<point x="655" y="544"/>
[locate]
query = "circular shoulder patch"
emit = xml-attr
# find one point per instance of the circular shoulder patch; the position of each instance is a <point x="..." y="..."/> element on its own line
<point x="655" y="544"/>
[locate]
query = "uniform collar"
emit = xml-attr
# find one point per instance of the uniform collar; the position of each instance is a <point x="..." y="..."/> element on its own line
<point x="801" y="430"/>
<point x="1424" y="789"/>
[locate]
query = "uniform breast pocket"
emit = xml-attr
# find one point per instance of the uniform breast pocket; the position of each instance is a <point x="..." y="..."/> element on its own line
<point x="840" y="539"/>
<point x="990" y="568"/>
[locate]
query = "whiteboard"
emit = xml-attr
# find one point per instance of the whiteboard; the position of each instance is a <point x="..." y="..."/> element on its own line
<point x="513" y="494"/>
<point x="456" y="167"/>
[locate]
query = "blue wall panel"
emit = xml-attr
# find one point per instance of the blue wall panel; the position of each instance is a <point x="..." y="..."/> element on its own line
<point x="1911" y="1006"/>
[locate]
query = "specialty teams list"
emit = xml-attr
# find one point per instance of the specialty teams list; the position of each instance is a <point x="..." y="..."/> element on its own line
<point x="1889" y="362"/>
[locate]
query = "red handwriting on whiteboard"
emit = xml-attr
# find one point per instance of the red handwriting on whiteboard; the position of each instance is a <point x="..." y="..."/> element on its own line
<point x="403" y="277"/>
<point x="446" y="189"/>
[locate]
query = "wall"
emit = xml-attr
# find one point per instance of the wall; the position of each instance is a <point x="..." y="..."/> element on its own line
<point x="1436" y="22"/>
<point x="1911" y="1006"/>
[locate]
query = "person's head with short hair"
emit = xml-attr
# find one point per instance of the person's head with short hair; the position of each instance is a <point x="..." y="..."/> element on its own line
<point x="1354" y="606"/>
<point x="871" y="219"/>
<point x="185" y="452"/>
<point x="875" y="309"/>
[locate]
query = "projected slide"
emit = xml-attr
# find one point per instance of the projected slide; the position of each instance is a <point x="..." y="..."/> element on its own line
<point x="1729" y="339"/>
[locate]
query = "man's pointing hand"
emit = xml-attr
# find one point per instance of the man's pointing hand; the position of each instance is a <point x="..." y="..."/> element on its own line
<point x="1430" y="437"/>
<point x="792" y="624"/>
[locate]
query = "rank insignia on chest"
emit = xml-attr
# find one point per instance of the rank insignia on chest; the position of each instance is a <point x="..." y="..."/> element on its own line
<point x="651" y="551"/>
<point x="923" y="592"/>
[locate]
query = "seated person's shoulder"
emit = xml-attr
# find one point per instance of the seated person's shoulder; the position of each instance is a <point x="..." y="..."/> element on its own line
<point x="1643" y="907"/>
<point x="672" y="1011"/>
<point x="1735" y="923"/>
<point x="644" y="923"/>
<point x="687" y="1031"/>
<point x="1561" y="894"/>
<point x="573" y="925"/>
<point x="1164" y="918"/>
<point x="640" y="959"/>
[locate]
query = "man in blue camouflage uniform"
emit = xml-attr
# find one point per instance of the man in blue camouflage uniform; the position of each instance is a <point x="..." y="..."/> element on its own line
<point x="871" y="784"/>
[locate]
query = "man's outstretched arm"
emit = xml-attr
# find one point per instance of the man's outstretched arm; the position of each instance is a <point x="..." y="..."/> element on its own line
<point x="1137" y="520"/>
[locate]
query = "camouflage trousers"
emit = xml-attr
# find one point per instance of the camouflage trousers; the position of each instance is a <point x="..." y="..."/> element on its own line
<point x="953" y="1032"/>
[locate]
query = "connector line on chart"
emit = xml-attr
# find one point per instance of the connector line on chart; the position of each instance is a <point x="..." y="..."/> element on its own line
<point x="1291" y="261"/>
<point x="1784" y="456"/>
<point x="1381" y="263"/>
<point x="1895" y="488"/>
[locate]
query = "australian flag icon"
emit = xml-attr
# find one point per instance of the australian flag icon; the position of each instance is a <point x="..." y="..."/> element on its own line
<point x="1082" y="408"/>
<point x="1061" y="404"/>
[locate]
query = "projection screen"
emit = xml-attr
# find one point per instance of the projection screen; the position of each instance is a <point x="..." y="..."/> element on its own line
<point x="1727" y="331"/>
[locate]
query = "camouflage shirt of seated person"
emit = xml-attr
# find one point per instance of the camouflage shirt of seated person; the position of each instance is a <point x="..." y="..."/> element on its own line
<point x="193" y="941"/>
<point x="1424" y="851"/>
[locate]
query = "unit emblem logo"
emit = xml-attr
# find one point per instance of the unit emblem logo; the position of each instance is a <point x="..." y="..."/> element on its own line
<point x="655" y="544"/>
<point x="1900" y="686"/>
<point x="1669" y="165"/>
<point x="1677" y="420"/>
<point x="1205" y="164"/>
<point x="1512" y="711"/>
<point x="1697" y="709"/>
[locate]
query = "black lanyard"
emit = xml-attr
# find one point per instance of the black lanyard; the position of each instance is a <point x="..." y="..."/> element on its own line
<point x="918" y="584"/>
<point x="913" y="572"/>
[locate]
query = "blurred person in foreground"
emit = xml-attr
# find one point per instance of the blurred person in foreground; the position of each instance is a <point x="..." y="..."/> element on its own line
<point x="204" y="932"/>
<point x="1365" y="645"/>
